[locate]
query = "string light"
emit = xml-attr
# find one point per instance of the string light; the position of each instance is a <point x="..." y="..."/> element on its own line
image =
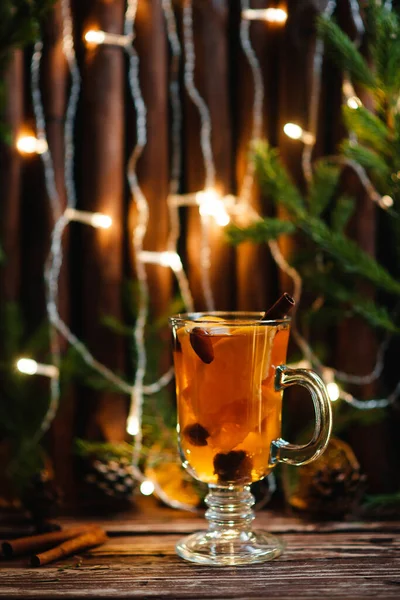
<point x="271" y="15"/>
<point x="97" y="37"/>
<point x="136" y="405"/>
<point x="95" y="219"/>
<point x="147" y="487"/>
<point x="295" y="132"/>
<point x="212" y="204"/>
<point x="349" y="93"/>
<point x="28" y="366"/>
<point x="132" y="425"/>
<point x="333" y="391"/>
<point x="165" y="259"/>
<point x="29" y="144"/>
<point x="176" y="147"/>
<point x="387" y="201"/>
<point x="206" y="148"/>
<point x="257" y="112"/>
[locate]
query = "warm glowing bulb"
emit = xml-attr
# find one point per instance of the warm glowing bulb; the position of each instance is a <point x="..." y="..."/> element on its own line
<point x="95" y="219"/>
<point x="28" y="366"/>
<point x="333" y="391"/>
<point x="354" y="102"/>
<point x="275" y="15"/>
<point x="102" y="221"/>
<point x="171" y="259"/>
<point x="222" y="218"/>
<point x="297" y="133"/>
<point x="132" y="426"/>
<point x="211" y="204"/>
<point x="29" y="144"/>
<point x="271" y="15"/>
<point x="387" y="201"/>
<point x="95" y="37"/>
<point x="293" y="131"/>
<point x="147" y="487"/>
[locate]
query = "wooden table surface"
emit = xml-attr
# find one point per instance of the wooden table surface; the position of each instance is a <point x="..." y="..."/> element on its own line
<point x="325" y="560"/>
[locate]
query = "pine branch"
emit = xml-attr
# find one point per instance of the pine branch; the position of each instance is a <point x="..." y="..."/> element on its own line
<point x="385" y="50"/>
<point x="262" y="231"/>
<point x="349" y="255"/>
<point x="345" y="53"/>
<point x="323" y="186"/>
<point x="352" y="302"/>
<point x="369" y="129"/>
<point x="341" y="214"/>
<point x="366" y="158"/>
<point x="275" y="180"/>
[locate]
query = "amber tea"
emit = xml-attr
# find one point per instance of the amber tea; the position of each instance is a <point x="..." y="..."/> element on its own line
<point x="228" y="409"/>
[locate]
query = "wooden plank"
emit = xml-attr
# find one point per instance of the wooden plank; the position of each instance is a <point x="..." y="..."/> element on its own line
<point x="102" y="158"/>
<point x="10" y="173"/>
<point x="166" y="521"/>
<point x="55" y="81"/>
<point x="325" y="565"/>
<point x="210" y="20"/>
<point x="255" y="272"/>
<point x="152" y="48"/>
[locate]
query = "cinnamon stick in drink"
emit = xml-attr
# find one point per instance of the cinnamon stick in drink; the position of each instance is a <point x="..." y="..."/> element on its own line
<point x="94" y="537"/>
<point x="280" y="309"/>
<point x="34" y="543"/>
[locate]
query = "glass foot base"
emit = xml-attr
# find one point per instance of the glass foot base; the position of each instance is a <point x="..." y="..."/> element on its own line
<point x="218" y="548"/>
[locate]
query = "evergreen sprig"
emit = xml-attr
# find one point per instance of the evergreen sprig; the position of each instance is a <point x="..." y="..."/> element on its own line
<point x="342" y="212"/>
<point x="367" y="158"/>
<point x="369" y="129"/>
<point x="323" y="186"/>
<point x="275" y="181"/>
<point x="262" y="231"/>
<point x="345" y="53"/>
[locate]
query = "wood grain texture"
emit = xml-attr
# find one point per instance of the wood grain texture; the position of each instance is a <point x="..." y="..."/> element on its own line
<point x="103" y="80"/>
<point x="334" y="563"/>
<point x="210" y="25"/>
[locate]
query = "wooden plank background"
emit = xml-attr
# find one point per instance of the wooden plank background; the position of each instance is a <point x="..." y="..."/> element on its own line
<point x="98" y="263"/>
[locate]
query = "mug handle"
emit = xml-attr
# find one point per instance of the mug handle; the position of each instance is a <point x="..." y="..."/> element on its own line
<point x="292" y="454"/>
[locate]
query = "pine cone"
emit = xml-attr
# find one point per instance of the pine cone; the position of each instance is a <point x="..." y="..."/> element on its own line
<point x="333" y="485"/>
<point x="113" y="478"/>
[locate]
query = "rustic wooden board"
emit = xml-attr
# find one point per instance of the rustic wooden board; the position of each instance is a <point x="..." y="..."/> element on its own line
<point x="330" y="560"/>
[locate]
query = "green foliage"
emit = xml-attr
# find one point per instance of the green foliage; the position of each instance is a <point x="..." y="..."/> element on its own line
<point x="369" y="129"/>
<point x="340" y="292"/>
<point x="275" y="180"/>
<point x="19" y="26"/>
<point x="344" y="261"/>
<point x="102" y="450"/>
<point x="19" y="23"/>
<point x="369" y="159"/>
<point x="348" y="255"/>
<point x="382" y="501"/>
<point x="323" y="186"/>
<point x="342" y="212"/>
<point x="345" y="53"/>
<point x="23" y="402"/>
<point x="262" y="231"/>
<point x="345" y="416"/>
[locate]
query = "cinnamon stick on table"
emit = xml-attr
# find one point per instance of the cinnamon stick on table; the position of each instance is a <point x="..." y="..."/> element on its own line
<point x="35" y="543"/>
<point x="94" y="537"/>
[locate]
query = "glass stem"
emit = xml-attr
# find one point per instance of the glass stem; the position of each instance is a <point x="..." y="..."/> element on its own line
<point x="230" y="508"/>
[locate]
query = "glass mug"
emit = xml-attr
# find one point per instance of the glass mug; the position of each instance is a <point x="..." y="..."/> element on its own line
<point x="230" y="373"/>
